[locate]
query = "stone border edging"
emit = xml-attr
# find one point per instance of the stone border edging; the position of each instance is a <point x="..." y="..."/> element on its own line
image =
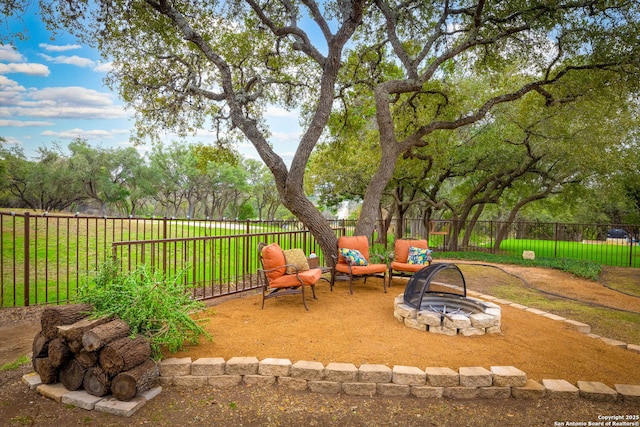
<point x="500" y="382"/>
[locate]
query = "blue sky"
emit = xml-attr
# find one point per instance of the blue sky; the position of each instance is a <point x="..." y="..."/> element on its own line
<point x="52" y="91"/>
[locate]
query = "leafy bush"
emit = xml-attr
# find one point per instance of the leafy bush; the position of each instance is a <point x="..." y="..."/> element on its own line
<point x="154" y="306"/>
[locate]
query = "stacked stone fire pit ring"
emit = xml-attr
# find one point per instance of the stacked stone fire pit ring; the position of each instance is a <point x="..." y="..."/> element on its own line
<point x="435" y="300"/>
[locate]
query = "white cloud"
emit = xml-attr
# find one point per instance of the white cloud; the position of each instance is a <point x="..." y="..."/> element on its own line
<point x="69" y="60"/>
<point x="63" y="48"/>
<point x="72" y="96"/>
<point x="103" y="67"/>
<point x="95" y="134"/>
<point x="23" y="123"/>
<point x="25" y="68"/>
<point x="10" y="54"/>
<point x="280" y="112"/>
<point x="283" y="137"/>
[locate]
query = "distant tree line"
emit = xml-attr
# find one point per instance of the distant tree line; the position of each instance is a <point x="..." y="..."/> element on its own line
<point x="178" y="179"/>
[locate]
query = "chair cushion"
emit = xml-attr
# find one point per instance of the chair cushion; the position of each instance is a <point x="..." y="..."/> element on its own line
<point x="418" y="256"/>
<point x="402" y="248"/>
<point x="309" y="277"/>
<point x="362" y="270"/>
<point x="359" y="243"/>
<point x="403" y="266"/>
<point x="353" y="256"/>
<point x="272" y="257"/>
<point x="297" y="258"/>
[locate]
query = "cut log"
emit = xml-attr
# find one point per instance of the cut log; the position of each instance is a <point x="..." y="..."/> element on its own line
<point x="102" y="335"/>
<point x="96" y="382"/>
<point x="48" y="373"/>
<point x="52" y="317"/>
<point x="72" y="374"/>
<point x="40" y="347"/>
<point x="59" y="352"/>
<point x="73" y="333"/>
<point x="87" y="359"/>
<point x="126" y="385"/>
<point x="124" y="354"/>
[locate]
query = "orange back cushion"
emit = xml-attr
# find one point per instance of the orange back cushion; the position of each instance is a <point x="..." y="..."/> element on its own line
<point x="402" y="248"/>
<point x="272" y="257"/>
<point x="360" y="243"/>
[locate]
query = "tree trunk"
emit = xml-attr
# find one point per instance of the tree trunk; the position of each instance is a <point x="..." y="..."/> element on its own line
<point x="124" y="354"/>
<point x="101" y="335"/>
<point x="63" y="315"/>
<point x="88" y="359"/>
<point x="73" y="333"/>
<point x="127" y="385"/>
<point x="72" y="374"/>
<point x="48" y="373"/>
<point x="96" y="382"/>
<point x="59" y="352"/>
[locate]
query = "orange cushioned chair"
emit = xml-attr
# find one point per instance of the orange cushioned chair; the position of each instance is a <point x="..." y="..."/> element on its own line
<point x="352" y="268"/>
<point x="276" y="281"/>
<point x="400" y="266"/>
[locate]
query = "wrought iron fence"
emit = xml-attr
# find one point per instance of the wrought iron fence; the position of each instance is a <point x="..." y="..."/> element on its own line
<point x="44" y="258"/>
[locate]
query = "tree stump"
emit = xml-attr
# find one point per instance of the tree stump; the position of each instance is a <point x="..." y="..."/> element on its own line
<point x="73" y="333"/>
<point x="103" y="334"/>
<point x="72" y="374"/>
<point x="48" y="373"/>
<point x="59" y="353"/>
<point x="124" y="354"/>
<point x="126" y="385"/>
<point x="53" y="317"/>
<point x="96" y="382"/>
<point x="87" y="359"/>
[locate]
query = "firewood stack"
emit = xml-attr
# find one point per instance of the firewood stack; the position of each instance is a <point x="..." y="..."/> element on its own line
<point x="95" y="354"/>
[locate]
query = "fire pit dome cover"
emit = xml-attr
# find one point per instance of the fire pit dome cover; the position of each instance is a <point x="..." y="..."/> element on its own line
<point x="440" y="278"/>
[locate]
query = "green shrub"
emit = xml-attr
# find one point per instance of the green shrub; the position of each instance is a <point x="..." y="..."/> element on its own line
<point x="154" y="306"/>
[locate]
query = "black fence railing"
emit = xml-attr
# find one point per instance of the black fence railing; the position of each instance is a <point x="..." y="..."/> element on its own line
<point x="44" y="258"/>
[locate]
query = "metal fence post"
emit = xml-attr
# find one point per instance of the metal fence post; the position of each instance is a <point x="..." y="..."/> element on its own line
<point x="27" y="227"/>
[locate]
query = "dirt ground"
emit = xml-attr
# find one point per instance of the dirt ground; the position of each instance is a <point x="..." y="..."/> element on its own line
<point x="359" y="328"/>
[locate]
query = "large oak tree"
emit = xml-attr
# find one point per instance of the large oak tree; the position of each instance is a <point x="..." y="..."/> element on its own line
<point x="182" y="64"/>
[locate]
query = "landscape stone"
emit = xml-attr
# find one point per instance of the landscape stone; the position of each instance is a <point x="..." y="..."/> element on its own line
<point x="175" y="366"/>
<point x="633" y="347"/>
<point x="554" y="317"/>
<point x="297" y="384"/>
<point x="372" y="373"/>
<point x="494" y="392"/>
<point x="359" y="389"/>
<point x="456" y="321"/>
<point x="208" y="366"/>
<point x="114" y="406"/>
<point x="274" y="367"/>
<point x="393" y="390"/>
<point x="408" y="375"/>
<point x="52" y="391"/>
<point x="32" y="380"/>
<point x="628" y="392"/>
<point x="341" y="372"/>
<point x="225" y="380"/>
<point x="461" y="392"/>
<point x="536" y="311"/>
<point x="475" y="377"/>
<point x="259" y="380"/>
<point x="406" y="311"/>
<point x="327" y="387"/>
<point x="583" y="328"/>
<point x="81" y="399"/>
<point x="531" y="390"/>
<point x="508" y="376"/>
<point x="242" y="366"/>
<point x="442" y="330"/>
<point x="596" y="391"/>
<point x="429" y="318"/>
<point x="470" y="332"/>
<point x="426" y="391"/>
<point x="560" y="389"/>
<point x="482" y="320"/>
<point x="415" y="324"/>
<point x="307" y="370"/>
<point x="190" y="381"/>
<point x="613" y="342"/>
<point x="442" y="377"/>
